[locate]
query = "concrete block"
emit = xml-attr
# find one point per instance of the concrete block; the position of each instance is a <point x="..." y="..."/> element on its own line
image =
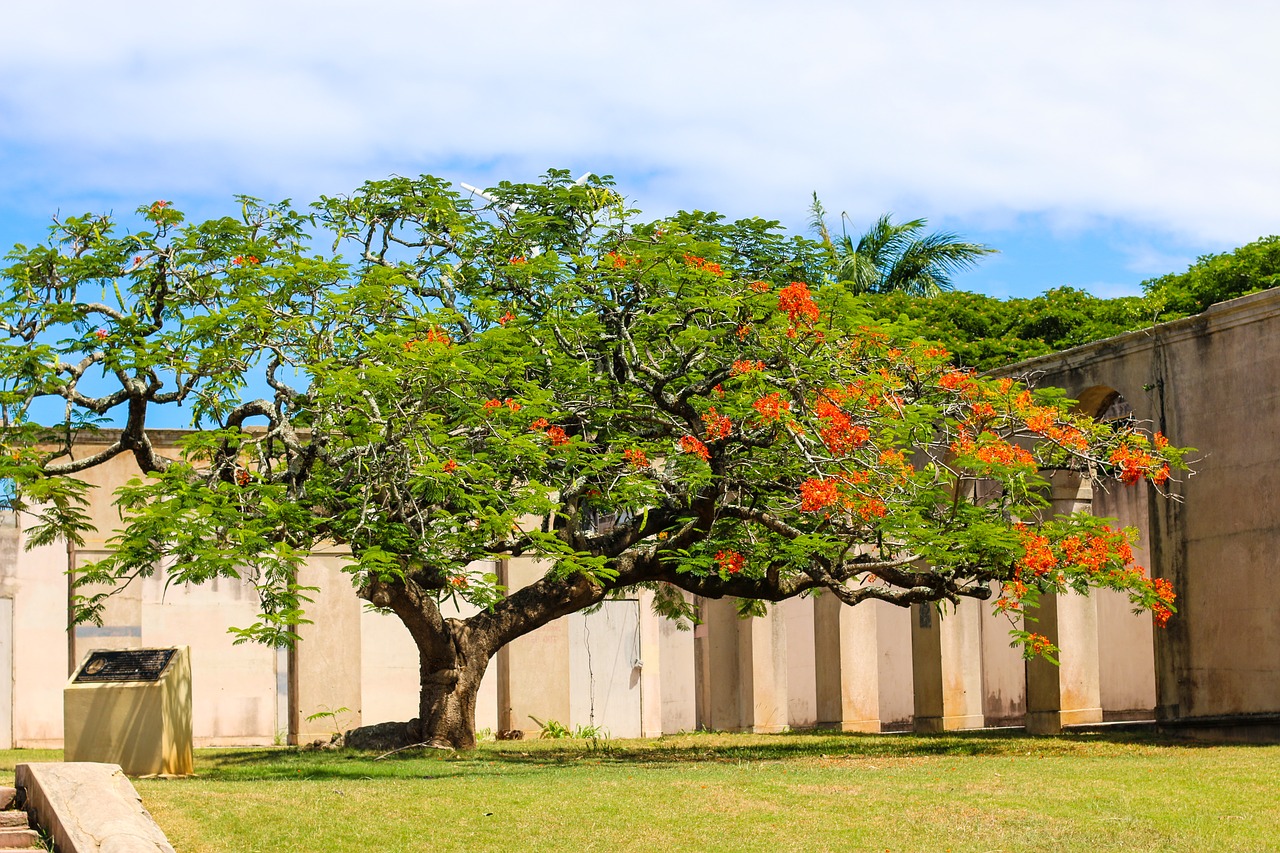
<point x="90" y="808"/>
<point x="20" y="839"/>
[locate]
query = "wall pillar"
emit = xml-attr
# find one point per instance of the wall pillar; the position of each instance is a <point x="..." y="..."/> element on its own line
<point x="324" y="664"/>
<point x="742" y="669"/>
<point x="1069" y="693"/>
<point x="533" y="670"/>
<point x="946" y="651"/>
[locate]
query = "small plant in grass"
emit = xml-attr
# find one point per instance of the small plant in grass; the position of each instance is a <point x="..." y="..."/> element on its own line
<point x="556" y="730"/>
<point x="330" y="714"/>
<point x="552" y="729"/>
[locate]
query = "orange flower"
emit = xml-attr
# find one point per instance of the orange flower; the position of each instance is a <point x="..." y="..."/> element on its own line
<point x="449" y="467"/>
<point x="557" y="436"/>
<point x="702" y="264"/>
<point x="718" y="426"/>
<point x="771" y="407"/>
<point x="746" y="366"/>
<point x="797" y="302"/>
<point x="636" y="457"/>
<point x="730" y="561"/>
<point x="817" y="494"/>
<point x="506" y="318"/>
<point x="689" y="444"/>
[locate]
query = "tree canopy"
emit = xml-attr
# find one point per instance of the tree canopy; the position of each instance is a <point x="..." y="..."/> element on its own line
<point x="661" y="403"/>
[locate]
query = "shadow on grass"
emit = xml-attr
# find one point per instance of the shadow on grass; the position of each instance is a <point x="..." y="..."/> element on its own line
<point x="525" y="758"/>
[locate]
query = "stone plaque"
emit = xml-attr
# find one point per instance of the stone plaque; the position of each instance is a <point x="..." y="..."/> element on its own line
<point x="124" y="665"/>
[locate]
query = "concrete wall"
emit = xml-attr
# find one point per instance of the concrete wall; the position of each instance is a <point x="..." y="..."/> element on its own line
<point x="1208" y="382"/>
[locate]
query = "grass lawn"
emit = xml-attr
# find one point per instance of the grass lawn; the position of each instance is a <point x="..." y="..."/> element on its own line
<point x="819" y="791"/>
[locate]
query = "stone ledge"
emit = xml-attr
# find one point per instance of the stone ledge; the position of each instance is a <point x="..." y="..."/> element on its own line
<point x="89" y="808"/>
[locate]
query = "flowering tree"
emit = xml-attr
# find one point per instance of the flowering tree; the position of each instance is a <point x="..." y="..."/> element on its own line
<point x="658" y="404"/>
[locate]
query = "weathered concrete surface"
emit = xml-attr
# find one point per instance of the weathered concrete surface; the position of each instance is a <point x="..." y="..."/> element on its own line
<point x="1209" y="382"/>
<point x="90" y="808"/>
<point x="946" y="651"/>
<point x="862" y="659"/>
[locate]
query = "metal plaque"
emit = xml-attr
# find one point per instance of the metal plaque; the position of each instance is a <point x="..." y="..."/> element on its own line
<point x="124" y="665"/>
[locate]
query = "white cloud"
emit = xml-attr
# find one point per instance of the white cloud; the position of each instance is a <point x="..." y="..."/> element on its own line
<point x="1160" y="114"/>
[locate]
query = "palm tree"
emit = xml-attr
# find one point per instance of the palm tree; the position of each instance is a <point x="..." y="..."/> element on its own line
<point x="896" y="258"/>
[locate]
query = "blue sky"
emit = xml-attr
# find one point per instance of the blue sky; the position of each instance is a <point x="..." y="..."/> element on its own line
<point x="1094" y="144"/>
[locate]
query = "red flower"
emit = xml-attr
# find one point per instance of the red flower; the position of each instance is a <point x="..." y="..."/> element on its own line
<point x="797" y="302"/>
<point x="449" y="467"/>
<point x="557" y="436"/>
<point x="539" y="424"/>
<point x="506" y="318"/>
<point x="101" y="334"/>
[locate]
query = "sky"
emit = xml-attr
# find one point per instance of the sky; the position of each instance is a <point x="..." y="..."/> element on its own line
<point x="1094" y="144"/>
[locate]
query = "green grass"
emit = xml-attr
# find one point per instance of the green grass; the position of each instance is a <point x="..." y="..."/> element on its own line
<point x="961" y="792"/>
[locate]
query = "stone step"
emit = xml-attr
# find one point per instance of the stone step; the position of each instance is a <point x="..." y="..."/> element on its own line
<point x="14" y="820"/>
<point x="7" y="796"/>
<point x="20" y="839"/>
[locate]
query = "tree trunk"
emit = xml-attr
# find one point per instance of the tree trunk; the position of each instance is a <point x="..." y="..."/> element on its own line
<point x="452" y="659"/>
<point x="453" y="654"/>
<point x="447" y="701"/>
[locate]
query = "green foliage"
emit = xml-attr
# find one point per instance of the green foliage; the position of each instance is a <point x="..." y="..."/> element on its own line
<point x="984" y="332"/>
<point x="542" y="375"/>
<point x="1216" y="278"/>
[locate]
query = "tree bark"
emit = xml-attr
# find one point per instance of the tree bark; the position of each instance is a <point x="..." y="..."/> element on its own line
<point x="451" y="663"/>
<point x="448" y="690"/>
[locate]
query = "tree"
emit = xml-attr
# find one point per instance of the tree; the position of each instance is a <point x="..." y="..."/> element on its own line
<point x="984" y="332"/>
<point x="542" y="375"/>
<point x="895" y="258"/>
<point x="1215" y="278"/>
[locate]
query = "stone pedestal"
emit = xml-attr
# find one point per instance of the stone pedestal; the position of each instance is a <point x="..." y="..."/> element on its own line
<point x="1069" y="693"/>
